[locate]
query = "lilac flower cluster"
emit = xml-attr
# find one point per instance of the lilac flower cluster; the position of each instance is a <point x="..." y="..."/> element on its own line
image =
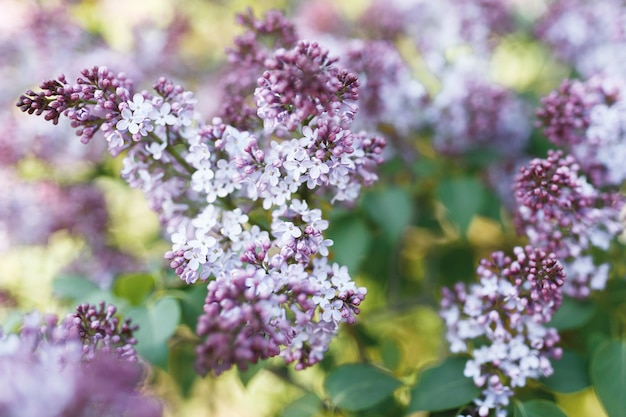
<point x="586" y="34"/>
<point x="69" y="381"/>
<point x="587" y="119"/>
<point x="471" y="113"/>
<point x="101" y="330"/>
<point x="561" y="212"/>
<point x="239" y="204"/>
<point x="246" y="61"/>
<point x="500" y="323"/>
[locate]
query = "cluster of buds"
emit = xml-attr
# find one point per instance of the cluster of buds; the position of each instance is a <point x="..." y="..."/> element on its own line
<point x="561" y="212"/>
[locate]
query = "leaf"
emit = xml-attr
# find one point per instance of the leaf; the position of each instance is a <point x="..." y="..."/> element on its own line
<point x="392" y="209"/>
<point x="352" y="239"/>
<point x="390" y="353"/>
<point x="608" y="374"/>
<point x="572" y="314"/>
<point x="538" y="408"/>
<point x="570" y="374"/>
<point x="180" y="366"/>
<point x="355" y="387"/>
<point x="74" y="288"/>
<point x="134" y="287"/>
<point x="463" y="197"/>
<point x="253" y="368"/>
<point x="305" y="406"/>
<point x="443" y="387"/>
<point x="157" y="322"/>
<point x="192" y="303"/>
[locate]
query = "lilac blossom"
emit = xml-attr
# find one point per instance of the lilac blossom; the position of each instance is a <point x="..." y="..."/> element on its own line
<point x="500" y="322"/>
<point x="437" y="27"/>
<point x="587" y="119"/>
<point x="588" y="35"/>
<point x="471" y="113"/>
<point x="48" y="358"/>
<point x="237" y="203"/>
<point x="561" y="212"/>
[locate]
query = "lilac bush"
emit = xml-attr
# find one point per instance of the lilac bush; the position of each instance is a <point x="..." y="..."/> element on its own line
<point x="348" y="151"/>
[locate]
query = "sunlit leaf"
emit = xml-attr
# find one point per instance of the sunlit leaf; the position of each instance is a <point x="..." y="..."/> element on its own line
<point x="305" y="406"/>
<point x="608" y="374"/>
<point x="134" y="287"/>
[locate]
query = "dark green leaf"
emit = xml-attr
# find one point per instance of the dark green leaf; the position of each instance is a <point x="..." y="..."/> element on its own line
<point x="570" y="374"/>
<point x="157" y="322"/>
<point x="443" y="387"/>
<point x="192" y="303"/>
<point x="463" y="197"/>
<point x="181" y="366"/>
<point x="392" y="209"/>
<point x="538" y="408"/>
<point x="134" y="287"/>
<point x="608" y="374"/>
<point x="352" y="239"/>
<point x="357" y="387"/>
<point x="305" y="406"/>
<point x="572" y="314"/>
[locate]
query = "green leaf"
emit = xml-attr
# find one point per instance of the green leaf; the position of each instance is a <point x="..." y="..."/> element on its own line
<point x="352" y="239"/>
<point x="192" y="303"/>
<point x="305" y="406"/>
<point x="253" y="368"/>
<point x="463" y="197"/>
<point x="355" y="387"/>
<point x="538" y="408"/>
<point x="608" y="374"/>
<point x="443" y="387"/>
<point x="392" y="209"/>
<point x="157" y="322"/>
<point x="572" y="314"/>
<point x="182" y="357"/>
<point x="570" y="374"/>
<point x="73" y="288"/>
<point x="134" y="287"/>
<point x="390" y="353"/>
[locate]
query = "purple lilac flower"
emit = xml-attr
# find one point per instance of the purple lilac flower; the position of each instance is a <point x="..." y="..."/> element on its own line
<point x="46" y="372"/>
<point x="101" y="330"/>
<point x="561" y="212"/>
<point x="500" y="323"/>
<point x="472" y="113"/>
<point x="439" y="26"/>
<point x="390" y="98"/>
<point x="246" y="62"/>
<point x="588" y="119"/>
<point x="238" y="203"/>
<point x="586" y="34"/>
